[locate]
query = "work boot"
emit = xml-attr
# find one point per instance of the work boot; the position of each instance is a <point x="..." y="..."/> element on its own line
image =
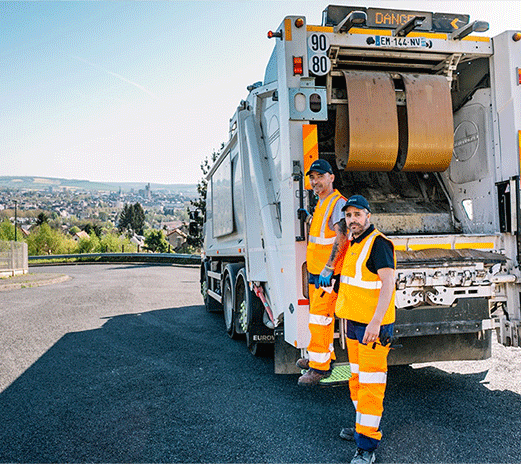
<point x="303" y="363"/>
<point x="312" y="377"/>
<point x="348" y="433"/>
<point x="363" y="457"/>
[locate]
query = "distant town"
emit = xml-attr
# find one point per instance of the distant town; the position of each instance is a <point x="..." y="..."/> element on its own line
<point x="70" y="204"/>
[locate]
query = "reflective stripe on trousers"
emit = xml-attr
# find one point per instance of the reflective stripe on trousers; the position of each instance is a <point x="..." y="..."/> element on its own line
<point x="321" y="326"/>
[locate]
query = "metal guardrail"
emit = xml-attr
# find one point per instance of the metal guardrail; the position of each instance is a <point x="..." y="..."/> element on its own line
<point x="148" y="257"/>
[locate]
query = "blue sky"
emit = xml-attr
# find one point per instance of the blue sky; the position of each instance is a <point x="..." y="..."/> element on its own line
<point x="143" y="91"/>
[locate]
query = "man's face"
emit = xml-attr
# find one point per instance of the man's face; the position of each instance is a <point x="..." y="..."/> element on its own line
<point x="321" y="183"/>
<point x="357" y="220"/>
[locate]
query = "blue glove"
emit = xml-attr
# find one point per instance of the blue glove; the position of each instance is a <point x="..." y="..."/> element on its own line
<point x="303" y="213"/>
<point x="324" y="279"/>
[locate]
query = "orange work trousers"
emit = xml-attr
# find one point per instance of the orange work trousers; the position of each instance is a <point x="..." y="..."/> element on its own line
<point x="367" y="383"/>
<point x="322" y="327"/>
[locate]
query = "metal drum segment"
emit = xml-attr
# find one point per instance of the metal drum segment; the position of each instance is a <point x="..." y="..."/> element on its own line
<point x="367" y="130"/>
<point x="429" y="123"/>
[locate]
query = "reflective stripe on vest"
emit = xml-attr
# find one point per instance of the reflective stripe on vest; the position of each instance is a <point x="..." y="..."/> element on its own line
<point x="325" y="219"/>
<point x="357" y="281"/>
<point x="361" y="283"/>
<point x="322" y="241"/>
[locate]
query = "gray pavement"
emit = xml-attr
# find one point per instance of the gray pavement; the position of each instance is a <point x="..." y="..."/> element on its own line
<point x="121" y="363"/>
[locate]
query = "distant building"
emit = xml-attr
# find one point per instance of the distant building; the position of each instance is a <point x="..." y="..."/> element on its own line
<point x="79" y="235"/>
<point x="138" y="240"/>
<point x="171" y="225"/>
<point x="176" y="238"/>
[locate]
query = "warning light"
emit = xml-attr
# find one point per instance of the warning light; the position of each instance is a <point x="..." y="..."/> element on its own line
<point x="272" y="34"/>
<point x="518" y="76"/>
<point x="299" y="22"/>
<point x="298" y="67"/>
<point x="516" y="37"/>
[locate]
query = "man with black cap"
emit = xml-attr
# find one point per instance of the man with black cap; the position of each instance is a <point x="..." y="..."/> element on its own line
<point x="366" y="300"/>
<point x="327" y="239"/>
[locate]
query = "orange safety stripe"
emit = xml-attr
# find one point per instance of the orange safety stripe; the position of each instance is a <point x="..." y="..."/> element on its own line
<point x="310" y="149"/>
<point x="519" y="144"/>
<point x="287" y="27"/>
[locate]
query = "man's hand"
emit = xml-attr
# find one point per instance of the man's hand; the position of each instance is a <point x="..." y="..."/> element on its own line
<point x="303" y="213"/>
<point x="372" y="331"/>
<point x="324" y="279"/>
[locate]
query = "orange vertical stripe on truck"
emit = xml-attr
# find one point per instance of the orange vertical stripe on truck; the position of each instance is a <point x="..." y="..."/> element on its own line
<point x="310" y="149"/>
<point x="519" y="145"/>
<point x="287" y="27"/>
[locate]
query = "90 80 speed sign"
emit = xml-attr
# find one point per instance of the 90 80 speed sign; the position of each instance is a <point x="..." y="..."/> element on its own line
<point x="319" y="63"/>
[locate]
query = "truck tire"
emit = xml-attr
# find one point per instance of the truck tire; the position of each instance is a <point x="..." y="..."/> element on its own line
<point x="210" y="304"/>
<point x="229" y="299"/>
<point x="249" y="311"/>
<point x="228" y="306"/>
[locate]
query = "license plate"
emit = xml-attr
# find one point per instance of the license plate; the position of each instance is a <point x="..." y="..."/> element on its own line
<point x="402" y="42"/>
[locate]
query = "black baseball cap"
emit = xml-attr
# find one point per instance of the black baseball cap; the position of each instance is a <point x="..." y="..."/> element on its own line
<point x="321" y="166"/>
<point x="358" y="201"/>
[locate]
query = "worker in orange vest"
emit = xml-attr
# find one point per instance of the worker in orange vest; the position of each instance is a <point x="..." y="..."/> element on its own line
<point x="366" y="299"/>
<point x="327" y="239"/>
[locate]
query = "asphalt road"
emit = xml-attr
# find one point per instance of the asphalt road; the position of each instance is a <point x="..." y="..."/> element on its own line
<point x="123" y="364"/>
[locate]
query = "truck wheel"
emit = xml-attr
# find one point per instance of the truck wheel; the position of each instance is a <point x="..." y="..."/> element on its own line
<point x="243" y="302"/>
<point x="228" y="306"/>
<point x="210" y="304"/>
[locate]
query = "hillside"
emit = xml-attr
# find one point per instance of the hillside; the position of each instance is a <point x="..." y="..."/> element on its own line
<point x="44" y="183"/>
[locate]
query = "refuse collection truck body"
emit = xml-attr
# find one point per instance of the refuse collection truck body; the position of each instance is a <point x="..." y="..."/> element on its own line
<point x="420" y="113"/>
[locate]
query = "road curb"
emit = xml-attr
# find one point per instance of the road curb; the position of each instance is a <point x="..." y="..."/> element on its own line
<point x="32" y="281"/>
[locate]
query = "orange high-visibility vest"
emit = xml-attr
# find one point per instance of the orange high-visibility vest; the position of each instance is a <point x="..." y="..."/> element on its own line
<point x="321" y="237"/>
<point x="359" y="287"/>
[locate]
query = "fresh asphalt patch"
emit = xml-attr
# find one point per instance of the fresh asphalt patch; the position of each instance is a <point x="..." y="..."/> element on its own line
<point x="123" y="364"/>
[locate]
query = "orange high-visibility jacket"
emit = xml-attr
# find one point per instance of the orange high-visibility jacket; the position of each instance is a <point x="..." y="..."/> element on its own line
<point x="359" y="287"/>
<point x="321" y="237"/>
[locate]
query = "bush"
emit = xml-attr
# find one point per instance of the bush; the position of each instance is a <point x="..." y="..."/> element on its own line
<point x="88" y="245"/>
<point x="43" y="240"/>
<point x="6" y="230"/>
<point x="155" y="241"/>
<point x="110" y="243"/>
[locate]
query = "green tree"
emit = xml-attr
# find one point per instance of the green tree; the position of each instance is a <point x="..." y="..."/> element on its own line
<point x="138" y="219"/>
<point x="6" y="230"/>
<point x="125" y="218"/>
<point x="197" y="208"/>
<point x="132" y="217"/>
<point x="155" y="241"/>
<point x="92" y="229"/>
<point x="88" y="245"/>
<point x="42" y="219"/>
<point x="44" y="240"/>
<point x="110" y="243"/>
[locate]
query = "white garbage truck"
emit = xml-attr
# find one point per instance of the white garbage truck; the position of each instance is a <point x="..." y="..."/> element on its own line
<point x="420" y="112"/>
